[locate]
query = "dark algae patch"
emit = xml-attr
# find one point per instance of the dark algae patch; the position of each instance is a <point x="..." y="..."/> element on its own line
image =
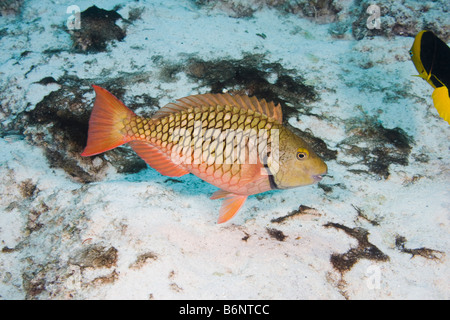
<point x="375" y="146"/>
<point x="62" y="114"/>
<point x="34" y="284"/>
<point x="95" y="256"/>
<point x="276" y="234"/>
<point x="143" y="259"/>
<point x="422" y="252"/>
<point x="302" y="210"/>
<point x="98" y="28"/>
<point x="362" y="215"/>
<point x="343" y="262"/>
<point x="250" y="75"/>
<point x="28" y="189"/>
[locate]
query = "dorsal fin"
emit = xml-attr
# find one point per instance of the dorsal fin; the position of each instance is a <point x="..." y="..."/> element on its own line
<point x="201" y="100"/>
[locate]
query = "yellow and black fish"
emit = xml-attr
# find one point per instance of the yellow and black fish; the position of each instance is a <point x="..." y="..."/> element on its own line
<point x="431" y="57"/>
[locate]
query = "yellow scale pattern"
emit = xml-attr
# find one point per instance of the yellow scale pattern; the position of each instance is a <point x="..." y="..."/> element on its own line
<point x="192" y="135"/>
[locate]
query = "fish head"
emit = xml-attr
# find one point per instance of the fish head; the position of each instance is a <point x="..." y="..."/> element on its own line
<point x="298" y="164"/>
<point x="415" y="56"/>
<point x="424" y="52"/>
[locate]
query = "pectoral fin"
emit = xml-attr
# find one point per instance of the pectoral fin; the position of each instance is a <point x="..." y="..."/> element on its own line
<point x="219" y="194"/>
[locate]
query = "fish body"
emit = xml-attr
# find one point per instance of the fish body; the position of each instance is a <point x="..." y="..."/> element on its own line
<point x="236" y="143"/>
<point x="431" y="57"/>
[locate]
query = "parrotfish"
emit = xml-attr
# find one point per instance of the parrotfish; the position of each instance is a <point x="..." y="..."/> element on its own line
<point x="431" y="57"/>
<point x="234" y="142"/>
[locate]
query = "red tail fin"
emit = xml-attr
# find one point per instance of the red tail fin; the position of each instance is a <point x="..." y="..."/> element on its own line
<point x="106" y="123"/>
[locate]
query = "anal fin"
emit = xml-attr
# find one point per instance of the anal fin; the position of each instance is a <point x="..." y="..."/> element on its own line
<point x="230" y="206"/>
<point x="156" y="159"/>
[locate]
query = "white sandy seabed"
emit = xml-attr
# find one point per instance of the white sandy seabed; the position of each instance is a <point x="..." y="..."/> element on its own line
<point x="140" y="236"/>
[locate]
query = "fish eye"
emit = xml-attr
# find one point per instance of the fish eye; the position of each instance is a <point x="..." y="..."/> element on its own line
<point x="302" y="154"/>
<point x="410" y="53"/>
